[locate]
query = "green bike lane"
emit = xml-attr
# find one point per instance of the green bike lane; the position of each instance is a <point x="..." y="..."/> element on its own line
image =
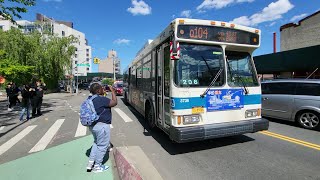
<point x="64" y="162"/>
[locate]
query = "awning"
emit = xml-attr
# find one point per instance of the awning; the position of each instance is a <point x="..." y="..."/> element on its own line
<point x="304" y="59"/>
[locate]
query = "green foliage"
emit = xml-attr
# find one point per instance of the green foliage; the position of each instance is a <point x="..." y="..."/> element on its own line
<point x="108" y="81"/>
<point x="48" y="55"/>
<point x="17" y="7"/>
<point x="16" y="73"/>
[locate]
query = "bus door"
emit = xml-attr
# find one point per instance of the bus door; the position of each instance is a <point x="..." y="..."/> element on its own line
<point x="163" y="85"/>
<point x="159" y="86"/>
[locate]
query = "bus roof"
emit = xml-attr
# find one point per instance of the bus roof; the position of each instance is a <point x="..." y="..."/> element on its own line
<point x="167" y="32"/>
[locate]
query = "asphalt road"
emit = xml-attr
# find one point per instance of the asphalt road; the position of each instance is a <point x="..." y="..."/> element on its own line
<point x="249" y="156"/>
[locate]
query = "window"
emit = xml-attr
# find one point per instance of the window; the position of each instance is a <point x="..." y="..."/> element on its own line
<point x="76" y="49"/>
<point x="1" y="27"/>
<point x="199" y="65"/>
<point x="87" y="59"/>
<point x="278" y="88"/>
<point x="63" y="33"/>
<point x="146" y="75"/>
<point x="88" y="69"/>
<point x="87" y="55"/>
<point x="87" y="50"/>
<point x="240" y="69"/>
<point x="76" y="62"/>
<point x="139" y="75"/>
<point x="166" y="60"/>
<point x="308" y="89"/>
<point x="133" y="76"/>
<point x="75" y="55"/>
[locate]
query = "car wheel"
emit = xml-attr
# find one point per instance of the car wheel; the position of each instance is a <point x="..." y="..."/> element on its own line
<point x="150" y="118"/>
<point x="309" y="120"/>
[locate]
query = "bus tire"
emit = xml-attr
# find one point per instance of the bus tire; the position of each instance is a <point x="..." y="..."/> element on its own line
<point x="150" y="117"/>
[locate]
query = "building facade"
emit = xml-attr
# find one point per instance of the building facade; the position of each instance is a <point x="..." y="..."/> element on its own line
<point x="81" y="60"/>
<point x="305" y="33"/>
<point x="106" y="65"/>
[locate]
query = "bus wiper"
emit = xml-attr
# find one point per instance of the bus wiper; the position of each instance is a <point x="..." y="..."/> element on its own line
<point x="246" y="91"/>
<point x="207" y="65"/>
<point x="212" y="83"/>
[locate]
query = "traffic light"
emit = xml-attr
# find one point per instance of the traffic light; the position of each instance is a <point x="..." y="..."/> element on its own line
<point x="96" y="60"/>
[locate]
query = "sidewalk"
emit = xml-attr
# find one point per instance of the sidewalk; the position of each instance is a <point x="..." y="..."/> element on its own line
<point x="64" y="162"/>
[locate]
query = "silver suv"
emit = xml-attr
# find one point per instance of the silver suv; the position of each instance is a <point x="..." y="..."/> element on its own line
<point x="292" y="100"/>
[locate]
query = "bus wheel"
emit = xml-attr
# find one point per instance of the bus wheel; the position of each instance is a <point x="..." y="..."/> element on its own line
<point x="150" y="118"/>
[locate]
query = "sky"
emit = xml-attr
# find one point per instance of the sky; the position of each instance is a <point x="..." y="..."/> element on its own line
<point x="126" y="25"/>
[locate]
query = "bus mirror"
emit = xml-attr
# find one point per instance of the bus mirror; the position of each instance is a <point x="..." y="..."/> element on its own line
<point x="174" y="51"/>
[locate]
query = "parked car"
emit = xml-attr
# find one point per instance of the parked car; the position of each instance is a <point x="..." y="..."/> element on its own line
<point x="118" y="86"/>
<point x="84" y="86"/>
<point x="292" y="100"/>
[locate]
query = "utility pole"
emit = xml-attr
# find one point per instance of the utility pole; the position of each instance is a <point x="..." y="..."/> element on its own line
<point x="114" y="67"/>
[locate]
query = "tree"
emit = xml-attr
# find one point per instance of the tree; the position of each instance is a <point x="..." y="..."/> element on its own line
<point x="13" y="8"/>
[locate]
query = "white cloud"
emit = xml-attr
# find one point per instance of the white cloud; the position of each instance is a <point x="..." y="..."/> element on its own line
<point x="122" y="41"/>
<point x="186" y="13"/>
<point x="272" y="24"/>
<point x="139" y="8"/>
<point x="298" y="17"/>
<point x="272" y="12"/>
<point x="52" y="0"/>
<point x="218" y="4"/>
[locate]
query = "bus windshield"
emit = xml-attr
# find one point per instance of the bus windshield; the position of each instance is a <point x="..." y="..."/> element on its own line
<point x="240" y="69"/>
<point x="198" y="65"/>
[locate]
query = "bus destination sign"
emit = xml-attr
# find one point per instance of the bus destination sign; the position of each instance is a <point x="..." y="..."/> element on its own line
<point x="218" y="34"/>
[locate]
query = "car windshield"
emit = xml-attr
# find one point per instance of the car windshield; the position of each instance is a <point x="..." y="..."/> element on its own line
<point x="119" y="85"/>
<point x="198" y="65"/>
<point x="240" y="69"/>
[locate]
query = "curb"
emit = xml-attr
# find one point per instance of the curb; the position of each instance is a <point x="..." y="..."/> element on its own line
<point x="133" y="164"/>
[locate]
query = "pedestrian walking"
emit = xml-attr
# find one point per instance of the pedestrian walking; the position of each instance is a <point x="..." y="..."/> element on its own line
<point x="16" y="91"/>
<point x="100" y="129"/>
<point x="25" y="104"/>
<point x="10" y="96"/>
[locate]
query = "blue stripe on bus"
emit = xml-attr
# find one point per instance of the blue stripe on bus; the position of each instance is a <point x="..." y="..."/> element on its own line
<point x="188" y="103"/>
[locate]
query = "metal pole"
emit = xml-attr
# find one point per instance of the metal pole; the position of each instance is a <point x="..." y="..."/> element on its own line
<point x="114" y="69"/>
<point x="77" y="82"/>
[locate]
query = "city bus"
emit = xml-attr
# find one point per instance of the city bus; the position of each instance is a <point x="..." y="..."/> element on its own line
<point x="197" y="81"/>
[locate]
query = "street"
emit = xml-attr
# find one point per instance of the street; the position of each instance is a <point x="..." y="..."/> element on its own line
<point x="284" y="152"/>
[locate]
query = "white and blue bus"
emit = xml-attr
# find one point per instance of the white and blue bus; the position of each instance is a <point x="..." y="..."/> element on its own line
<point x="197" y="81"/>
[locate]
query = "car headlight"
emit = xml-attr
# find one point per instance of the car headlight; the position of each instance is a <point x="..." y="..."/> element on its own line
<point x="253" y="113"/>
<point x="191" y="119"/>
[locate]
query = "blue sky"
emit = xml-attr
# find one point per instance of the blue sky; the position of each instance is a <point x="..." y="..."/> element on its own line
<point x="125" y="25"/>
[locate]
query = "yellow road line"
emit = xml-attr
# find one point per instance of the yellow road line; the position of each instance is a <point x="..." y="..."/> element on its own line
<point x="292" y="140"/>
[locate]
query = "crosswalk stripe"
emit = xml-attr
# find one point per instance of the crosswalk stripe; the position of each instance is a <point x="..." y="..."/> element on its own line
<point x="4" y="147"/>
<point x="123" y="115"/>
<point x="81" y="130"/>
<point x="1" y="128"/>
<point x="45" y="140"/>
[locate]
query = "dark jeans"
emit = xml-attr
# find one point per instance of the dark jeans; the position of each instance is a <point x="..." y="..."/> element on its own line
<point x="12" y="101"/>
<point x="36" y="104"/>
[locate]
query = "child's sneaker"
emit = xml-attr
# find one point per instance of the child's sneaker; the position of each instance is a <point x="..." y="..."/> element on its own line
<point x="99" y="168"/>
<point x="90" y="165"/>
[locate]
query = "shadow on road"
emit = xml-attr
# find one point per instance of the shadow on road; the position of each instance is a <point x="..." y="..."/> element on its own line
<point x="175" y="148"/>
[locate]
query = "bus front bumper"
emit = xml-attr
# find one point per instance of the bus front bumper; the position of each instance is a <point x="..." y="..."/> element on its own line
<point x="198" y="133"/>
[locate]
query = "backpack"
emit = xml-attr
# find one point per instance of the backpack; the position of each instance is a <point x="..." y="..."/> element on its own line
<point x="88" y="114"/>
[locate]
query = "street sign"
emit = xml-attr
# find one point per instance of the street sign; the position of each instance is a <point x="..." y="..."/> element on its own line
<point x="87" y="65"/>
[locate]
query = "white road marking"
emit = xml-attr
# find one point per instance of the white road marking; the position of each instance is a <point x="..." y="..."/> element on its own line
<point x="111" y="126"/>
<point x="81" y="130"/>
<point x="75" y="111"/>
<point x="79" y="114"/>
<point x="1" y="128"/>
<point x="45" y="140"/>
<point x="123" y="115"/>
<point x="4" y="147"/>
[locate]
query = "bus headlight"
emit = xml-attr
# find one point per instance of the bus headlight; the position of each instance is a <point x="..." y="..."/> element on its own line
<point x="253" y="113"/>
<point x="191" y="119"/>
